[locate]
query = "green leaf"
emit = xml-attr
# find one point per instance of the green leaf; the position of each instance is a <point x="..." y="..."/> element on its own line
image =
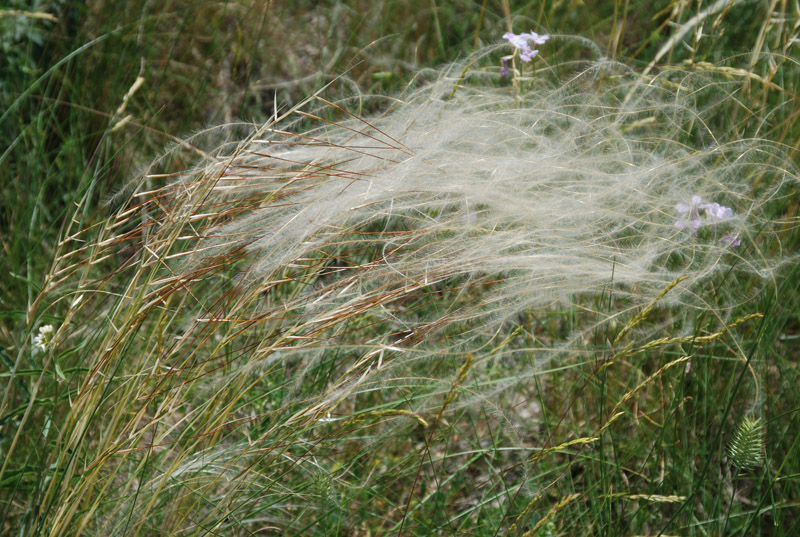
<point x="26" y="280"/>
<point x="59" y="373"/>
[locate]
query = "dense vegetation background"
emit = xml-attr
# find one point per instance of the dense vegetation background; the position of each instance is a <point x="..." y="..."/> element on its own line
<point x="92" y="92"/>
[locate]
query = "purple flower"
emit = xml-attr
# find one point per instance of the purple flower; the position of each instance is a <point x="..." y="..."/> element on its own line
<point x="522" y="42"/>
<point x="517" y="41"/>
<point x="504" y="69"/>
<point x="716" y="210"/>
<point x="692" y="212"/>
<point x="536" y="38"/>
<point x="528" y="55"/>
<point x="730" y="239"/>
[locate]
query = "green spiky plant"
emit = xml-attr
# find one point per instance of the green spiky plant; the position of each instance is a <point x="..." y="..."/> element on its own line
<point x="746" y="450"/>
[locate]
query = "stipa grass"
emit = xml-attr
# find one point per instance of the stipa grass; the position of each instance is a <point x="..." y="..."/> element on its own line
<point x="338" y="323"/>
<point x="571" y="192"/>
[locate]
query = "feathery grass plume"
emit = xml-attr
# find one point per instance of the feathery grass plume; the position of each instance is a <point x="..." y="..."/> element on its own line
<point x="327" y="267"/>
<point x="746" y="450"/>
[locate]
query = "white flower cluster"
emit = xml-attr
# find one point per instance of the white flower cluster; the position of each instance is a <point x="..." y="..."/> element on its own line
<point x="42" y="341"/>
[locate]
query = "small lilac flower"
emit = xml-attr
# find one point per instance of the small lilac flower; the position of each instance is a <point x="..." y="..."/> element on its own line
<point x="504" y="69"/>
<point x="716" y="210"/>
<point x="528" y="55"/>
<point x="692" y="212"/>
<point x="522" y="41"/>
<point x="536" y="38"/>
<point x="730" y="239"/>
<point x="517" y="41"/>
